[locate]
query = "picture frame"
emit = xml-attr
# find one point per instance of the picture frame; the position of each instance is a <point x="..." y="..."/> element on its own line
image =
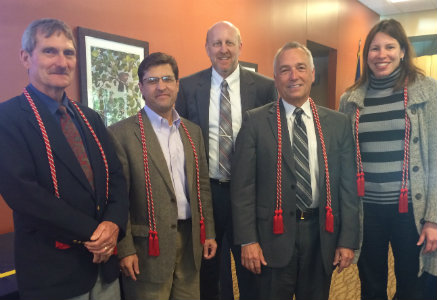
<point x="108" y="73"/>
<point x="250" y="66"/>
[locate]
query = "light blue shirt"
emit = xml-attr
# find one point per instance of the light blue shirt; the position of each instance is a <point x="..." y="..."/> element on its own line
<point x="173" y="150"/>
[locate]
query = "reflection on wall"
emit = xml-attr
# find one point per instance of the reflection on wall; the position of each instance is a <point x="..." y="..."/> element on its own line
<point x="428" y="63"/>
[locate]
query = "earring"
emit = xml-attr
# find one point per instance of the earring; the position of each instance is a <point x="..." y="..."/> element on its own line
<point x="402" y="59"/>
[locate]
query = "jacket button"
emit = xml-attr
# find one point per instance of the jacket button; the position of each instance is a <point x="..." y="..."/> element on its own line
<point x="98" y="207"/>
<point x="293" y="187"/>
<point x="415" y="140"/>
<point x="418" y="196"/>
<point x="415" y="168"/>
<point x="173" y="200"/>
<point x="173" y="226"/>
<point x="413" y="111"/>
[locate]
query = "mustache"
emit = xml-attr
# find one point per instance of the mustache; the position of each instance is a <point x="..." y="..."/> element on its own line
<point x="60" y="71"/>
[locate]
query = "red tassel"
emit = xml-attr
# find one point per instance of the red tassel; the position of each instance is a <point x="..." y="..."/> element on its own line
<point x="329" y="222"/>
<point x="115" y="251"/>
<point x="403" y="201"/>
<point x="153" y="243"/>
<point x="61" y="246"/>
<point x="278" y="223"/>
<point x="202" y="232"/>
<point x="360" y="184"/>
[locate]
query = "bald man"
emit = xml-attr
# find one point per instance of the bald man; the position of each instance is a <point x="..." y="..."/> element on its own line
<point x="202" y="99"/>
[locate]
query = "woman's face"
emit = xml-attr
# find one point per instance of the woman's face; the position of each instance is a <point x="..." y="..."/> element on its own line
<point x="384" y="55"/>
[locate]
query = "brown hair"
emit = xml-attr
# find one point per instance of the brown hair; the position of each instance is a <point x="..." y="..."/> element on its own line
<point x="408" y="70"/>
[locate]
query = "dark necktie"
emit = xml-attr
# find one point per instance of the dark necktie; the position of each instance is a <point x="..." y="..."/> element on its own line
<point x="301" y="158"/>
<point x="75" y="141"/>
<point x="225" y="132"/>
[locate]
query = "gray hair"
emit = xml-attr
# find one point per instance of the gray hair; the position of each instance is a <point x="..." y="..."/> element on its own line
<point x="293" y="45"/>
<point x="46" y="27"/>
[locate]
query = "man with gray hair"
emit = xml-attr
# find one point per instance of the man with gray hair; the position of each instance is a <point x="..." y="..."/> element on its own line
<point x="293" y="193"/>
<point x="215" y="99"/>
<point x="61" y="177"/>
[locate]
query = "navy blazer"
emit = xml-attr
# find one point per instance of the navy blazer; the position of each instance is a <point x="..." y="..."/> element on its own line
<point x="40" y="219"/>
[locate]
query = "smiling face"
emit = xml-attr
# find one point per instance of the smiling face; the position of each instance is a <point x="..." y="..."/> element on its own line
<point x="384" y="55"/>
<point x="160" y="96"/>
<point x="223" y="45"/>
<point x="51" y="65"/>
<point x="294" y="76"/>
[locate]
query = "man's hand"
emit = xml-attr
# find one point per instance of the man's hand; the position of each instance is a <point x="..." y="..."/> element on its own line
<point x="343" y="258"/>
<point x="104" y="239"/>
<point x="129" y="266"/>
<point x="252" y="257"/>
<point x="101" y="258"/>
<point x="428" y="234"/>
<point x="209" y="248"/>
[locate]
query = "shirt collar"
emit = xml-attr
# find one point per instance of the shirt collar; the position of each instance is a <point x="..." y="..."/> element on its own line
<point x="49" y="102"/>
<point x="231" y="79"/>
<point x="158" y="121"/>
<point x="289" y="109"/>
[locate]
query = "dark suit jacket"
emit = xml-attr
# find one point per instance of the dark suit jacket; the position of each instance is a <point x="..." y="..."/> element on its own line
<point x="127" y="138"/>
<point x="194" y="94"/>
<point x="253" y="188"/>
<point x="43" y="271"/>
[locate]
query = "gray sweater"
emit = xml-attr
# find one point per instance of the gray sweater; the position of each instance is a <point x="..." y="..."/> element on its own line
<point x="422" y="111"/>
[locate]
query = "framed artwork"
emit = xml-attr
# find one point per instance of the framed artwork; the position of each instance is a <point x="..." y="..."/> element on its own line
<point x="250" y="66"/>
<point x="108" y="73"/>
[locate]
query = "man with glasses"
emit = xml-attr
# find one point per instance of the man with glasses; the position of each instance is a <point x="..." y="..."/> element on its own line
<point x="215" y="99"/>
<point x="171" y="220"/>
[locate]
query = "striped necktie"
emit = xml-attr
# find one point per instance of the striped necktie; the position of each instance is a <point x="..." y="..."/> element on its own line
<point x="75" y="141"/>
<point x="225" y="132"/>
<point x="300" y="151"/>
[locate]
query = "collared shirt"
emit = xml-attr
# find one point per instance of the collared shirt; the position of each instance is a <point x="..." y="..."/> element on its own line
<point x="173" y="150"/>
<point x="233" y="81"/>
<point x="53" y="106"/>
<point x="307" y="118"/>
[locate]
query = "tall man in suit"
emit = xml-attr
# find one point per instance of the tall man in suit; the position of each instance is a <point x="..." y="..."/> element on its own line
<point x="199" y="100"/>
<point x="294" y="202"/>
<point x="61" y="176"/>
<point x="161" y="152"/>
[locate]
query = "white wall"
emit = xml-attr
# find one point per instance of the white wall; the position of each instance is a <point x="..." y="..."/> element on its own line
<point x="417" y="23"/>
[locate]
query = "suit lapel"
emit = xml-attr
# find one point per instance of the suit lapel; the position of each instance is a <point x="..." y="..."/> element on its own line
<point x="60" y="148"/>
<point x="247" y="90"/>
<point x="154" y="151"/>
<point x="202" y="99"/>
<point x="190" y="166"/>
<point x="320" y="158"/>
<point x="287" y="153"/>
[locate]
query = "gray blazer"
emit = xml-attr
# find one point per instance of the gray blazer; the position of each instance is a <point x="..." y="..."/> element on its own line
<point x="129" y="149"/>
<point x="422" y="111"/>
<point x="194" y="94"/>
<point x="253" y="189"/>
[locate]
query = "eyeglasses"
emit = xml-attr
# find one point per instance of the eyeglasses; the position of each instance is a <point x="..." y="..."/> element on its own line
<point x="155" y="80"/>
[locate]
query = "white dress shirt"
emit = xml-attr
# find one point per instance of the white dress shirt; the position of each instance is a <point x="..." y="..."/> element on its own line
<point x="233" y="81"/>
<point x="173" y="150"/>
<point x="307" y="118"/>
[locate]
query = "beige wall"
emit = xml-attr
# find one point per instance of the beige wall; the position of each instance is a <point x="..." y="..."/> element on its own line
<point x="417" y="23"/>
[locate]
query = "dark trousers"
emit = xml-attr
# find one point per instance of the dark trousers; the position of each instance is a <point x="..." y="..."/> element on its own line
<point x="304" y="276"/>
<point x="215" y="274"/>
<point x="384" y="224"/>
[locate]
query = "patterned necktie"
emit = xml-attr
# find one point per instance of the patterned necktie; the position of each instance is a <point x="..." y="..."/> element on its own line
<point x="75" y="141"/>
<point x="300" y="151"/>
<point x="225" y="132"/>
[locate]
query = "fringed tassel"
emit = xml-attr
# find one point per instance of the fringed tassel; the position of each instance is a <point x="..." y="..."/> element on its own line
<point x="153" y="243"/>
<point x="278" y="223"/>
<point x="360" y="184"/>
<point x="202" y="232"/>
<point x="403" y="201"/>
<point x="329" y="222"/>
<point x="61" y="246"/>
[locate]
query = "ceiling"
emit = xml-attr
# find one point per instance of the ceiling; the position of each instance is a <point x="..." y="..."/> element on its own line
<point x="387" y="7"/>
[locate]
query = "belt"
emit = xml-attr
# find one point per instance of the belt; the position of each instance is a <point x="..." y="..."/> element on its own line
<point x="307" y="214"/>
<point x="220" y="181"/>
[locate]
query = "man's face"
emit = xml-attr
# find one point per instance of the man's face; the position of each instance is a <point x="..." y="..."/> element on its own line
<point x="52" y="63"/>
<point x="223" y="47"/>
<point x="159" y="95"/>
<point x="293" y="76"/>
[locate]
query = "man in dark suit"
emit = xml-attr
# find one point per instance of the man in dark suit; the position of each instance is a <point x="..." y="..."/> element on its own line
<point x="199" y="100"/>
<point x="61" y="176"/>
<point x="294" y="203"/>
<point x="180" y="207"/>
